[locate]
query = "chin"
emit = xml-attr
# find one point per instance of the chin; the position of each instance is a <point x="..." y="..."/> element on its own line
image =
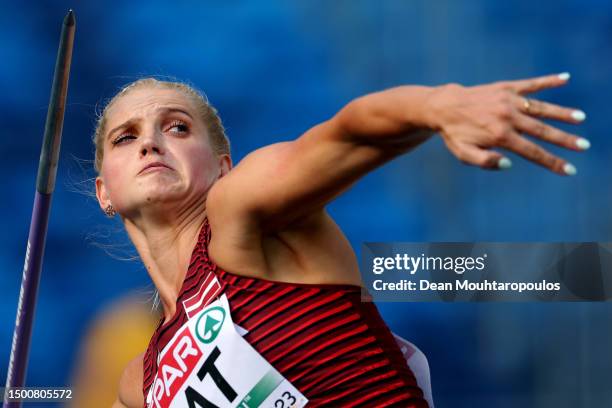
<point x="160" y="195"/>
<point x="161" y="199"/>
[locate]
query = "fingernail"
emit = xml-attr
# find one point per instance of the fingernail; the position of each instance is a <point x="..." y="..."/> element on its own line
<point x="582" y="143"/>
<point x="504" y="163"/>
<point x="578" y="115"/>
<point x="564" y="76"/>
<point x="569" y="169"/>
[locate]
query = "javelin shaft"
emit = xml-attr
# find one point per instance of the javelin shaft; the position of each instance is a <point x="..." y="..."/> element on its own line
<point x="45" y="184"/>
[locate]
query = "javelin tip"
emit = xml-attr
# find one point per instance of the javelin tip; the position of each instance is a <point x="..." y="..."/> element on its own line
<point x="69" y="19"/>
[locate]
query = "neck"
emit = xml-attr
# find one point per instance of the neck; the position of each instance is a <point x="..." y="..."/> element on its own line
<point x="165" y="243"/>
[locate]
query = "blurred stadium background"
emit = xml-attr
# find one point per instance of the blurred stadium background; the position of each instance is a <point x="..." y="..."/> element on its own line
<point x="274" y="69"/>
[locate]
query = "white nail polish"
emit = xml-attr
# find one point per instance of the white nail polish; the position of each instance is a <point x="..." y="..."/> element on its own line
<point x="582" y="143"/>
<point x="564" y="76"/>
<point x="504" y="163"/>
<point x="569" y="169"/>
<point x="578" y="115"/>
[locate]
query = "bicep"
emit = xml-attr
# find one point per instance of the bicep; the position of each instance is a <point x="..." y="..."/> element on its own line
<point x="283" y="182"/>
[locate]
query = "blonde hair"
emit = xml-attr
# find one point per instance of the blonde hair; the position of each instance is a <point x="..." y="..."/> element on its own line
<point x="218" y="139"/>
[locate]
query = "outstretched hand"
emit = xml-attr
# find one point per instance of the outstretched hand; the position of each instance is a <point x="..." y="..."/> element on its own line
<point x="473" y="120"/>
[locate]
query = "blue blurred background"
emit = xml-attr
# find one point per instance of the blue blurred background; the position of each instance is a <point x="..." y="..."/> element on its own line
<point x="276" y="68"/>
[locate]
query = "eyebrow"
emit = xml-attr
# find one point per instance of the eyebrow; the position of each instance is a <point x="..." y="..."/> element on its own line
<point x="131" y="122"/>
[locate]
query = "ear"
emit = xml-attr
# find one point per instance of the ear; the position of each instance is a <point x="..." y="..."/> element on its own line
<point x="102" y="193"/>
<point x="225" y="164"/>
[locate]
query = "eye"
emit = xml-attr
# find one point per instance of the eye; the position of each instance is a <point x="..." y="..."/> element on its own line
<point x="180" y="125"/>
<point x="123" y="138"/>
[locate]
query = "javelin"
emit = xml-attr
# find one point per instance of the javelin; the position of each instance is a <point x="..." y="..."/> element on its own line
<point x="45" y="184"/>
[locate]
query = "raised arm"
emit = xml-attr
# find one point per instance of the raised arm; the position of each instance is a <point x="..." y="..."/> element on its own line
<point x="280" y="183"/>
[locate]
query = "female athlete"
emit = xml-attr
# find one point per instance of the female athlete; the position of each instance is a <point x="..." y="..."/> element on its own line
<point x="260" y="289"/>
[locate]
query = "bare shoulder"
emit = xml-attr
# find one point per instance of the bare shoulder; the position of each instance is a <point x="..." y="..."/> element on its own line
<point x="263" y="228"/>
<point x="275" y="185"/>
<point x="130" y="385"/>
<point x="265" y="164"/>
<point x="229" y="204"/>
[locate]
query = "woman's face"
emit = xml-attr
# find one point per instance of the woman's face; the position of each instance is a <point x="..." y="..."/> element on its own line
<point x="156" y="153"/>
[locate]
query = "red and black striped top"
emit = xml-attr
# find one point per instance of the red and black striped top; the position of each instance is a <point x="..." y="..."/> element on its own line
<point x="329" y="344"/>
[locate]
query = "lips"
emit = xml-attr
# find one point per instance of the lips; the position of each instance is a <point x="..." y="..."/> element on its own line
<point x="154" y="165"/>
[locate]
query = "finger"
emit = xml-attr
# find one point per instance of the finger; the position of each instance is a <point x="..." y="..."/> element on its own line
<point x="531" y="151"/>
<point x="526" y="86"/>
<point x="486" y="159"/>
<point x="549" y="133"/>
<point x="547" y="110"/>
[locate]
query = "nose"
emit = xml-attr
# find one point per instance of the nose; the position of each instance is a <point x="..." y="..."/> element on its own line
<point x="152" y="143"/>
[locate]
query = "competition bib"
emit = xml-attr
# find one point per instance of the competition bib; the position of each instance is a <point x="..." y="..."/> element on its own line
<point x="207" y="364"/>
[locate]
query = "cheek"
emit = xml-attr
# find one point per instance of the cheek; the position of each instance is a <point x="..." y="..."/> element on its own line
<point x="113" y="178"/>
<point x="202" y="163"/>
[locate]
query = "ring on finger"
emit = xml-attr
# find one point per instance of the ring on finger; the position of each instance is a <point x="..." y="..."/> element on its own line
<point x="527" y="105"/>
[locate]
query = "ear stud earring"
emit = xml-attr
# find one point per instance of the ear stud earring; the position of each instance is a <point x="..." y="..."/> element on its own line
<point x="110" y="211"/>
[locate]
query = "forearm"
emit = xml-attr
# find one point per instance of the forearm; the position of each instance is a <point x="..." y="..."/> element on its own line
<point x="394" y="116"/>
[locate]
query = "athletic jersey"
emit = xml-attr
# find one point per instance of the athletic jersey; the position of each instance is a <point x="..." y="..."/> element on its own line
<point x="334" y="348"/>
